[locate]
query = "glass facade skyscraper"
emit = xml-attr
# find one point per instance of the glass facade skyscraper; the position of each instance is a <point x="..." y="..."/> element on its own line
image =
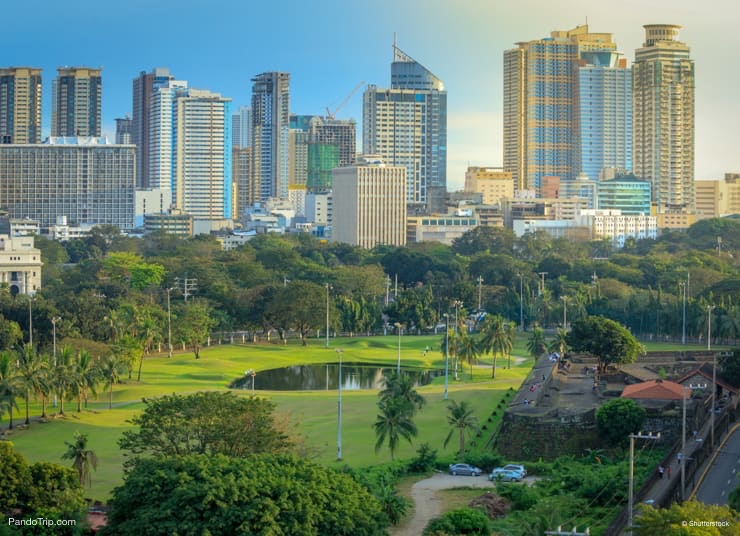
<point x="407" y="126"/>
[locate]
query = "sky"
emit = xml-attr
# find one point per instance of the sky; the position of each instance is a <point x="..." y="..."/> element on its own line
<point x="330" y="46"/>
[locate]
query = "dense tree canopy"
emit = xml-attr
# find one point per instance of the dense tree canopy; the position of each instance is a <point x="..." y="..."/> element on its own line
<point x="686" y="520"/>
<point x="618" y="418"/>
<point x="257" y="494"/>
<point x="605" y="339"/>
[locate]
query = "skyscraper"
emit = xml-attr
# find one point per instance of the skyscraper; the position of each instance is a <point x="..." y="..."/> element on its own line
<point x="663" y="81"/>
<point x="269" y="175"/>
<point x="190" y="149"/>
<point x="603" y="113"/>
<point x="76" y="102"/>
<point x="20" y="105"/>
<point x="331" y="144"/>
<point x="407" y="125"/>
<point x="540" y="112"/>
<point x="123" y="131"/>
<point x="143" y="85"/>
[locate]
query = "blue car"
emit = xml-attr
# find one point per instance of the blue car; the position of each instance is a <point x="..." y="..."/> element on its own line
<point x="464" y="469"/>
<point x="505" y="475"/>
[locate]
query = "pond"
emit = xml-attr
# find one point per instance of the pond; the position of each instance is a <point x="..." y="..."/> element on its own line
<point x="355" y="376"/>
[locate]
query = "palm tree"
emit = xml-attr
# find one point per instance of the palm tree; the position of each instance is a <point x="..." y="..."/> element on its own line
<point x="462" y="419"/>
<point x="559" y="343"/>
<point x="83" y="459"/>
<point x="492" y="335"/>
<point x="84" y="376"/>
<point x="61" y="377"/>
<point x="469" y="350"/>
<point x="536" y="343"/>
<point x="8" y="384"/>
<point x="30" y="374"/>
<point x="394" y="422"/>
<point x="401" y="386"/>
<point x="509" y="337"/>
<point x="110" y="372"/>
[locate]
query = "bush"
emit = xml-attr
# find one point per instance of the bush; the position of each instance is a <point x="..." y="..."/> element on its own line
<point x="460" y="521"/>
<point x="521" y="497"/>
<point x="425" y="460"/>
<point x="485" y="460"/>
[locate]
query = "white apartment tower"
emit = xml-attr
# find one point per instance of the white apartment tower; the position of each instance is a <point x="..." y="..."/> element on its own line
<point x="369" y="201"/>
<point x="663" y="100"/>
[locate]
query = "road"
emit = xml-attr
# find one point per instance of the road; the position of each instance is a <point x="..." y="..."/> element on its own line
<point x="722" y="477"/>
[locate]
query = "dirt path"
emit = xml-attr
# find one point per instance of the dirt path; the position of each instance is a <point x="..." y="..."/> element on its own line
<point x="426" y="502"/>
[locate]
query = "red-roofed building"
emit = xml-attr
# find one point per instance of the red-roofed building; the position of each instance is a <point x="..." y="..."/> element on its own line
<point x="656" y="390"/>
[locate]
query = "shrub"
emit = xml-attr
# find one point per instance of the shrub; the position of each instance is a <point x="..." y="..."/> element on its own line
<point x="460" y="521"/>
<point x="425" y="460"/>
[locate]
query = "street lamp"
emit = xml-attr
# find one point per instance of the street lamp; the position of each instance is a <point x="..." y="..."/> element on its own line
<point x="682" y="284"/>
<point x="521" y="302"/>
<point x="457" y="304"/>
<point x="54" y="321"/>
<point x="169" y="324"/>
<point x="252" y="373"/>
<point x="447" y="352"/>
<point x="339" y="407"/>
<point x="399" y="326"/>
<point x="328" y="286"/>
<point x="684" y="459"/>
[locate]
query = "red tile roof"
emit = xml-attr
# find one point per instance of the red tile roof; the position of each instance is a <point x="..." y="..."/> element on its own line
<point x="656" y="390"/>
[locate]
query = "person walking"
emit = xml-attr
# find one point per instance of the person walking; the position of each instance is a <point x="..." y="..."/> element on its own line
<point x="661" y="470"/>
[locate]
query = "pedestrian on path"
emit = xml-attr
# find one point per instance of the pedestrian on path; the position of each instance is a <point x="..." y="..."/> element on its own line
<point x="680" y="457"/>
<point x="661" y="470"/>
<point x="668" y="472"/>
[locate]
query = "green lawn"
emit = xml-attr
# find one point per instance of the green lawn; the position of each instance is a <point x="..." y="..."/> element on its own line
<point x="312" y="413"/>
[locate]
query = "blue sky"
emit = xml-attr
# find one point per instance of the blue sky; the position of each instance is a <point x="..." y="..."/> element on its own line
<point x="329" y="46"/>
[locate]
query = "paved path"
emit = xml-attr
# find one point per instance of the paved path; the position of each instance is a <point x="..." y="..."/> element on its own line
<point x="722" y="477"/>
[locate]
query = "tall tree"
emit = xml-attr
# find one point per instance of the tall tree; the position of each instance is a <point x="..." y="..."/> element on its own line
<point x="30" y="374"/>
<point x="469" y="350"/>
<point x="605" y="339"/>
<point x="536" y="344"/>
<point x="395" y="421"/>
<point x="509" y="338"/>
<point x="402" y="387"/>
<point x="85" y="375"/>
<point x="84" y="460"/>
<point x="560" y="342"/>
<point x="110" y="369"/>
<point x="61" y="376"/>
<point x="194" y="324"/>
<point x="9" y="385"/>
<point x="462" y="419"/>
<point x="492" y="338"/>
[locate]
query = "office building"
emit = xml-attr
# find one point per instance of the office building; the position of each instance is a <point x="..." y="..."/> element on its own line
<point x="297" y="157"/>
<point x="540" y="104"/>
<point x="442" y="228"/>
<point x="717" y="198"/>
<point x="369" y="199"/>
<point x="581" y="187"/>
<point x="616" y="226"/>
<point x="88" y="180"/>
<point x="269" y="175"/>
<point x="406" y="125"/>
<point x="162" y="135"/>
<point x="625" y="193"/>
<point x="663" y="81"/>
<point x="143" y="87"/>
<point x="20" y="105"/>
<point x="493" y="183"/>
<point x="603" y="113"/>
<point x="124" y="127"/>
<point x="240" y="163"/>
<point x="76" y="102"/>
<point x="331" y="143"/>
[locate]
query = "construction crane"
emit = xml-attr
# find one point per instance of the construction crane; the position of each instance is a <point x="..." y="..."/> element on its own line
<point x="332" y="115"/>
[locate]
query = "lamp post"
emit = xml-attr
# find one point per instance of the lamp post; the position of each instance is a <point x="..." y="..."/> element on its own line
<point x="682" y="284"/>
<point x="252" y="373"/>
<point x="169" y="324"/>
<point x="399" y="326"/>
<point x="457" y="304"/>
<point x="447" y="352"/>
<point x="328" y="286"/>
<point x="683" y="436"/>
<point x="54" y="321"/>
<point x="480" y="288"/>
<point x="521" y="302"/>
<point x="339" y="407"/>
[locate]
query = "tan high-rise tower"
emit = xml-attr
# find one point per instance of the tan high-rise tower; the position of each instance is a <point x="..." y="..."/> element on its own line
<point x="76" y="102"/>
<point x="663" y="86"/>
<point x="20" y="105"/>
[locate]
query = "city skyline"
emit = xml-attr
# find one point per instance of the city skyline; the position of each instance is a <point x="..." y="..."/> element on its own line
<point x="214" y="47"/>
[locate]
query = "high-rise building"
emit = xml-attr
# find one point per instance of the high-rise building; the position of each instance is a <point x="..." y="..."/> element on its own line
<point x="369" y="203"/>
<point x="143" y="86"/>
<point x="240" y="127"/>
<point x="124" y="127"/>
<point x="717" y="198"/>
<point x="663" y="82"/>
<point x="20" y="105"/>
<point x="76" y="102"/>
<point x="540" y="104"/>
<point x="603" y="113"/>
<point x="297" y="157"/>
<point x="493" y="183"/>
<point x="190" y="149"/>
<point x="407" y="126"/>
<point x="87" y="180"/>
<point x="331" y="144"/>
<point x="269" y="131"/>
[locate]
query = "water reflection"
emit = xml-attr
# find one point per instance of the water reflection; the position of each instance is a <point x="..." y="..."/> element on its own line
<point x="355" y="376"/>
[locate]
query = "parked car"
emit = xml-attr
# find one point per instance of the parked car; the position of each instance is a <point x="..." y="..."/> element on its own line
<point x="516" y="467"/>
<point x="464" y="469"/>
<point x="505" y="475"/>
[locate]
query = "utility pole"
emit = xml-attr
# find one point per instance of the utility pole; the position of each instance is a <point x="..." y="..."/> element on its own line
<point x="189" y="286"/>
<point x="542" y="287"/>
<point x="630" y="504"/>
<point x="480" y="288"/>
<point x="682" y="284"/>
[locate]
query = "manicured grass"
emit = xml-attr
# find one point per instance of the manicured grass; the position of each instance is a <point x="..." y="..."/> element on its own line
<point x="459" y="497"/>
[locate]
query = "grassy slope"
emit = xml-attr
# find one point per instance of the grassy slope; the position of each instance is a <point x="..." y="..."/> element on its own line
<point x="314" y="413"/>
